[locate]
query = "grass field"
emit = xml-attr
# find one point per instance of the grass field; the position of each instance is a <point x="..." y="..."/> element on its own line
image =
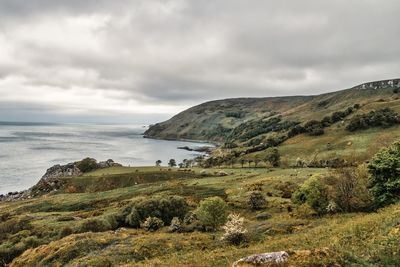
<point x="357" y="239"/>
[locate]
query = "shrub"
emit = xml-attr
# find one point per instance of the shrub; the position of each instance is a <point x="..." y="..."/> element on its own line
<point x="350" y="188"/>
<point x="176" y="225"/>
<point x="385" y="175"/>
<point x="212" y="212"/>
<point x="152" y="224"/>
<point x="164" y="208"/>
<point x="234" y="232"/>
<point x="95" y="225"/>
<point x="314" y="128"/>
<point x="133" y="218"/>
<point x="87" y="165"/>
<point x="256" y="200"/>
<point x="385" y="117"/>
<point x="313" y="193"/>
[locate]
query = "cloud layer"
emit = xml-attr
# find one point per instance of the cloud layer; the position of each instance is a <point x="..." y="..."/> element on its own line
<point x="145" y="60"/>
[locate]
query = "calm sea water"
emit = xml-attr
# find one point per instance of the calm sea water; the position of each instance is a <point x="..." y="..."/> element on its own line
<point x="28" y="150"/>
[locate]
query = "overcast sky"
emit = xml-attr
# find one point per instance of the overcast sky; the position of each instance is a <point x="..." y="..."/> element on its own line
<point x="144" y="60"/>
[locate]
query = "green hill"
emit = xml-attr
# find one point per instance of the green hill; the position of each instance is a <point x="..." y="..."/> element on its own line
<point x="317" y="125"/>
<point x="211" y="119"/>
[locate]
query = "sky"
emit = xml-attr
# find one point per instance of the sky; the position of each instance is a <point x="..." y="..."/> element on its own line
<point x="141" y="61"/>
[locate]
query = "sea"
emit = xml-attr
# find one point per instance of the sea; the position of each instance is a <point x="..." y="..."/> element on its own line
<point x="27" y="150"/>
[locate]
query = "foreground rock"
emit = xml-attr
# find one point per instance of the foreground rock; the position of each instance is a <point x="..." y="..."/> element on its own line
<point x="268" y="259"/>
<point x="52" y="180"/>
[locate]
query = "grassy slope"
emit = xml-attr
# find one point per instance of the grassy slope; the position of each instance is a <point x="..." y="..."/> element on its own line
<point x="361" y="238"/>
<point x="201" y="122"/>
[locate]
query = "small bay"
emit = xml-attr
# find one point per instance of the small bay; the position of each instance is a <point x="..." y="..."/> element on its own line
<point x="28" y="150"/>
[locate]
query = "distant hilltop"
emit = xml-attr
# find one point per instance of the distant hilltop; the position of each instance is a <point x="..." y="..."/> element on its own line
<point x="379" y="84"/>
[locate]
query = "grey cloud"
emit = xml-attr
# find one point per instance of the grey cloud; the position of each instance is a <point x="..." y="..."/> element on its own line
<point x="186" y="52"/>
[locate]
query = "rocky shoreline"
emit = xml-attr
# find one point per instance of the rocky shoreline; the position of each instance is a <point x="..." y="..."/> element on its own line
<point x="52" y="180"/>
<point x="202" y="149"/>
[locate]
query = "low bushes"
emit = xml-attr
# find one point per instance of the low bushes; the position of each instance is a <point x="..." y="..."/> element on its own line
<point x="163" y="208"/>
<point x="385" y="117"/>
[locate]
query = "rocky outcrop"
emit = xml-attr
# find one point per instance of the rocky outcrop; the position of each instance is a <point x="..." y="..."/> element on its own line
<point x="52" y="180"/>
<point x="379" y="84"/>
<point x="108" y="163"/>
<point x="269" y="259"/>
<point x="58" y="171"/>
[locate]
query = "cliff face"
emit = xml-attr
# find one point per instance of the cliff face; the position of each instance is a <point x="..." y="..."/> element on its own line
<point x="391" y="83"/>
<point x="213" y="121"/>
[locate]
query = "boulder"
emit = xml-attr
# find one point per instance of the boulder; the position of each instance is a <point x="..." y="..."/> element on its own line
<point x="270" y="259"/>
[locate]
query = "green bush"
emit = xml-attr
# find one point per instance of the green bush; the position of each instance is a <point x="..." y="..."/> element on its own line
<point x="87" y="165"/>
<point x="385" y="175"/>
<point x="212" y="212"/>
<point x="314" y="193"/>
<point x="164" y="208"/>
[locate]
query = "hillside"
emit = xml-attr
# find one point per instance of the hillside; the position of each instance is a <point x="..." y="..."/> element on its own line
<point x="215" y="120"/>
<point x="80" y="225"/>
<point x="310" y="128"/>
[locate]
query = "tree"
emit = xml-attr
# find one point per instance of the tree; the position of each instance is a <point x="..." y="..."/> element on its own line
<point x="273" y="157"/>
<point x="242" y="162"/>
<point x="172" y="163"/>
<point x="313" y="193"/>
<point x="350" y="188"/>
<point x="385" y="175"/>
<point x="158" y="163"/>
<point x="212" y="212"/>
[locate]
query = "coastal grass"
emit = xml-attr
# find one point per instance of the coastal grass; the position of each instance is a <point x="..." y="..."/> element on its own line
<point x="52" y="234"/>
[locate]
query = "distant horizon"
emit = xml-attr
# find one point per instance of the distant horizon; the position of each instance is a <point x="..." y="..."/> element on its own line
<point x="129" y="119"/>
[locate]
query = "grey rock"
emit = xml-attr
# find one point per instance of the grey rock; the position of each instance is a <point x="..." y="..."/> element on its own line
<point x="272" y="259"/>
